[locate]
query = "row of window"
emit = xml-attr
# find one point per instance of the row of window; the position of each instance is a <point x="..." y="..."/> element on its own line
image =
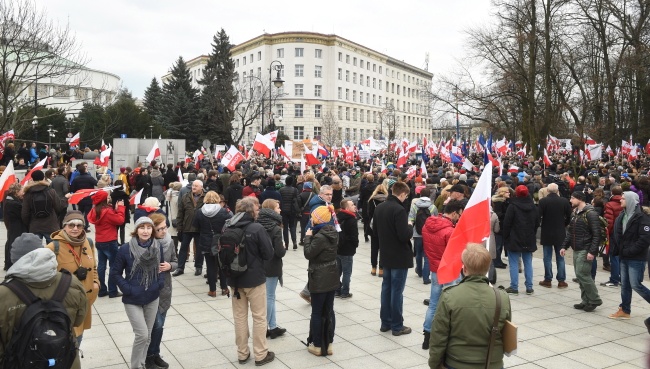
<point x="389" y="73"/>
<point x="350" y="134"/>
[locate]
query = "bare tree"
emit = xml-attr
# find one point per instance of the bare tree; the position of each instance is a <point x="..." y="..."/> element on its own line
<point x="388" y="121"/>
<point x="33" y="49"/>
<point x="330" y="129"/>
<point x="252" y="104"/>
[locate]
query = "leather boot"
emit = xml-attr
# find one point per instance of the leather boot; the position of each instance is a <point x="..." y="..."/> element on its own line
<point x="425" y="343"/>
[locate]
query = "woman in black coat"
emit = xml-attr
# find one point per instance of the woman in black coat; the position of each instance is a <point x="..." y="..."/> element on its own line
<point x="117" y="195"/>
<point x="11" y="209"/>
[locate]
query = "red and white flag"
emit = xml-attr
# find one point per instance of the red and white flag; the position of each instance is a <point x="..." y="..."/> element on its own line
<point x="589" y="141"/>
<point x="154" y="153"/>
<point x="403" y="157"/>
<point x="473" y="227"/>
<point x="38" y="166"/>
<point x="75" y="140"/>
<point x="283" y="153"/>
<point x="263" y="144"/>
<point x="547" y="160"/>
<point x="609" y="151"/>
<point x="103" y="147"/>
<point x="383" y="167"/>
<point x="310" y="156"/>
<point x="273" y="136"/>
<point x="423" y="170"/>
<point x="136" y="197"/>
<point x="633" y="155"/>
<point x="104" y="157"/>
<point x="7" y="178"/>
<point x="180" y="175"/>
<point x="82" y="194"/>
<point x="231" y="158"/>
<point x="513" y="169"/>
<point x="647" y="148"/>
<point x="198" y="156"/>
<point x="594" y="152"/>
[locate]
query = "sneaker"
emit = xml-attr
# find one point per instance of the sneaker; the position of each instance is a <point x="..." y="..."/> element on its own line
<point x="158" y="361"/>
<point x="373" y="271"/>
<point x="590" y="307"/>
<point x="545" y="283"/>
<point x="244" y="361"/>
<point x="529" y="291"/>
<point x="270" y="356"/>
<point x="562" y="284"/>
<point x="404" y="330"/>
<point x="148" y="363"/>
<point x="276" y="332"/>
<point x="620" y="314"/>
<point x="512" y="291"/>
<point x="337" y="294"/>
<point x="316" y="351"/>
<point x="425" y="343"/>
<point x="609" y="284"/>
<point x="427" y="282"/>
<point x="647" y="324"/>
<point x="178" y="272"/>
<point x="198" y="272"/>
<point x="579" y="306"/>
<point x="305" y="297"/>
<point x="346" y="296"/>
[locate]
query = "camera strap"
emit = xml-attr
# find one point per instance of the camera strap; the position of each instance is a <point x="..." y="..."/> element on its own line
<point x="77" y="257"/>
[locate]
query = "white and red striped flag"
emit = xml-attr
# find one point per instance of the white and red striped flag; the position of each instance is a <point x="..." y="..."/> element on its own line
<point x="7" y="178"/>
<point x="38" y="166"/>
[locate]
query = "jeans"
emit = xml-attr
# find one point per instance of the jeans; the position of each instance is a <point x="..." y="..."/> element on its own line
<point x="45" y="236"/>
<point x="271" y="285"/>
<point x="436" y="290"/>
<point x="142" y="318"/>
<point x="289" y="224"/>
<point x="421" y="260"/>
<point x="548" y="263"/>
<point x="344" y="263"/>
<point x="588" y="290"/>
<point x="513" y="261"/>
<point x="392" y="298"/>
<point x="322" y="303"/>
<point x="632" y="272"/>
<point x="106" y="252"/>
<point x="615" y="270"/>
<point x="185" y="245"/>
<point x="156" y="334"/>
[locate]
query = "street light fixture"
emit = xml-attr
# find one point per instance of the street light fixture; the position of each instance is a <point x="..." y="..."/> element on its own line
<point x="151" y="132"/>
<point x="51" y="133"/>
<point x="277" y="82"/>
<point x="34" y="125"/>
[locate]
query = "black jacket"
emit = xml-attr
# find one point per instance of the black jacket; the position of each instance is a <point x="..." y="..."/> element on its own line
<point x="270" y="193"/>
<point x="520" y="225"/>
<point x="258" y="249"/>
<point x="584" y="235"/>
<point x="12" y="208"/>
<point x="304" y="199"/>
<point x="205" y="224"/>
<point x="349" y="235"/>
<point x="84" y="181"/>
<point x="390" y="226"/>
<point x="364" y="194"/>
<point x="232" y="194"/>
<point x="117" y="195"/>
<point x="320" y="250"/>
<point x="271" y="221"/>
<point x="289" y="195"/>
<point x="555" y="214"/>
<point x="500" y="206"/>
<point x="633" y="243"/>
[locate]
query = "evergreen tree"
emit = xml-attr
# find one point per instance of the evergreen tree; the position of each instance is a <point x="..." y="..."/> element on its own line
<point x="152" y="99"/>
<point x="219" y="96"/>
<point x="179" y="106"/>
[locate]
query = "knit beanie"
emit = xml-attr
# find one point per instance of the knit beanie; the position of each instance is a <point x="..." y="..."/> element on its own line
<point x="143" y="220"/>
<point x="99" y="197"/>
<point x="25" y="243"/>
<point x="321" y="215"/>
<point x="38" y="175"/>
<point x="151" y="202"/>
<point x="73" y="215"/>
<point x="521" y="191"/>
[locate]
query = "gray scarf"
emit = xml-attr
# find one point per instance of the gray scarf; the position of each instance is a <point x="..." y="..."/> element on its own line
<point x="146" y="260"/>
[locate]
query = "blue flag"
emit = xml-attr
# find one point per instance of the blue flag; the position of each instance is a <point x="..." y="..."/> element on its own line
<point x="489" y="143"/>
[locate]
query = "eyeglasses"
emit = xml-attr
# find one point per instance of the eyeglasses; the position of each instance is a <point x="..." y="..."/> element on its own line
<point x="327" y="194"/>
<point x="75" y="225"/>
<point x="161" y="229"/>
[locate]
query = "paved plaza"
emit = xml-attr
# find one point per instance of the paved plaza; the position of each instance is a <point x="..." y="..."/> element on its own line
<point x="199" y="331"/>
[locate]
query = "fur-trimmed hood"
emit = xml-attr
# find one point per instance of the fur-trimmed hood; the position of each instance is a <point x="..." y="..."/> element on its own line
<point x="38" y="186"/>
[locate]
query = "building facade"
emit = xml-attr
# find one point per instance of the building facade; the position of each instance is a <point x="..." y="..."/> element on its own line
<point x="331" y="84"/>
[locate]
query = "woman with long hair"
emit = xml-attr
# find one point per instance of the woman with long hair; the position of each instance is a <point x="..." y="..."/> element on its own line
<point x="137" y="273"/>
<point x="378" y="196"/>
<point x="107" y="220"/>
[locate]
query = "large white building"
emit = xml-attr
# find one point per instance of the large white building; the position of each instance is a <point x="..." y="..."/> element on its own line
<point x="327" y="73"/>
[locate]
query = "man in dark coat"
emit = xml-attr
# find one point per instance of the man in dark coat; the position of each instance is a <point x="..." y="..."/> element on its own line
<point x="185" y="224"/>
<point x="41" y="217"/>
<point x="290" y="210"/>
<point x="555" y="213"/>
<point x="348" y="243"/>
<point x="84" y="181"/>
<point x="390" y="226"/>
<point x="519" y="234"/>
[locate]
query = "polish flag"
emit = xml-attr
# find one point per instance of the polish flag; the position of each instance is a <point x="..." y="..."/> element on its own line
<point x="103" y="147"/>
<point x="401" y="160"/>
<point x="197" y="155"/>
<point x="135" y="198"/>
<point x="383" y="167"/>
<point x="513" y="169"/>
<point x="310" y="157"/>
<point x="82" y="194"/>
<point x="7" y="178"/>
<point x="473" y="227"/>
<point x="647" y="147"/>
<point x="322" y="151"/>
<point x="609" y="151"/>
<point x="589" y="141"/>
<point x="231" y="158"/>
<point x="283" y="153"/>
<point x="411" y="172"/>
<point x="423" y="170"/>
<point x="263" y="144"/>
<point x="154" y="153"/>
<point x="75" y="140"/>
<point x="9" y="135"/>
<point x="103" y="158"/>
<point x="594" y="152"/>
<point x="547" y="160"/>
<point x="180" y="175"/>
<point x="38" y="166"/>
<point x="633" y="155"/>
<point x="217" y="155"/>
<point x="273" y="136"/>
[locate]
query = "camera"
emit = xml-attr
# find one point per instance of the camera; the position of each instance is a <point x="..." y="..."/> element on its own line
<point x="81" y="273"/>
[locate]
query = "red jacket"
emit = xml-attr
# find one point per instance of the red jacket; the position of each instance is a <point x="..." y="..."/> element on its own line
<point x="436" y="233"/>
<point x="109" y="221"/>
<point x="612" y="209"/>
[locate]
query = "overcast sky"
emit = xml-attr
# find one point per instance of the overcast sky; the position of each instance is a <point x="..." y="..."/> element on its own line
<point x="140" y="39"/>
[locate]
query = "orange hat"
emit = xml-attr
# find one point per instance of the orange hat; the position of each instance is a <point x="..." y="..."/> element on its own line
<point x="320" y="215"/>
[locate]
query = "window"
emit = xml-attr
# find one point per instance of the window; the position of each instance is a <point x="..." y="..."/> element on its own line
<point x="354" y="134"/>
<point x="318" y="71"/>
<point x="361" y="63"/>
<point x="368" y="65"/>
<point x="380" y="69"/>
<point x="298" y="132"/>
<point x="318" y="53"/>
<point x="299" y="70"/>
<point x="347" y="59"/>
<point x="340" y="57"/>
<point x="347" y="76"/>
<point x="340" y="112"/>
<point x="347" y="94"/>
<point x="380" y="85"/>
<point x="244" y="61"/>
<point x="354" y="61"/>
<point x="340" y="93"/>
<point x="374" y="99"/>
<point x="368" y="81"/>
<point x="374" y="83"/>
<point x="354" y="78"/>
<point x="279" y="53"/>
<point x="361" y="115"/>
<point x="244" y="75"/>
<point x="259" y="71"/>
<point x="279" y="109"/>
<point x="237" y="64"/>
<point x="347" y="114"/>
<point x="354" y="96"/>
<point x="361" y="79"/>
<point x="374" y="67"/>
<point x="259" y="55"/>
<point x="318" y="89"/>
<point x="298" y="89"/>
<point x="252" y="58"/>
<point x="298" y="110"/>
<point x="347" y="134"/>
<point x="299" y="52"/>
<point x="317" y="132"/>
<point x="354" y="116"/>
<point x="317" y="114"/>
<point x="398" y="89"/>
<point x="368" y="116"/>
<point x="340" y="74"/>
<point x="374" y="117"/>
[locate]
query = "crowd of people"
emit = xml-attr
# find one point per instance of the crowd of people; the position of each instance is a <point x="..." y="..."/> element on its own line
<point x="598" y="209"/>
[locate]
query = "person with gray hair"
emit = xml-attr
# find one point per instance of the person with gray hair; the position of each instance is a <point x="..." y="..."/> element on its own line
<point x="555" y="214"/>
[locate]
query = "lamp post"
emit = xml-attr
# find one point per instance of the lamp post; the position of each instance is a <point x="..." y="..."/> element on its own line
<point x="34" y="125"/>
<point x="277" y="82"/>
<point x="51" y="133"/>
<point x="261" y="95"/>
<point x="151" y="132"/>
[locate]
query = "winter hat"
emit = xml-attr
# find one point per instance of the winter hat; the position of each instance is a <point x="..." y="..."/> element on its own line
<point x="391" y="182"/>
<point x="122" y="170"/>
<point x="38" y="176"/>
<point x="462" y="177"/>
<point x="521" y="191"/>
<point x="579" y="195"/>
<point x="457" y="188"/>
<point x="307" y="186"/>
<point x="99" y="197"/>
<point x="73" y="215"/>
<point x="151" y="202"/>
<point x="321" y="214"/>
<point x="270" y="182"/>
<point x="27" y="242"/>
<point x="143" y="220"/>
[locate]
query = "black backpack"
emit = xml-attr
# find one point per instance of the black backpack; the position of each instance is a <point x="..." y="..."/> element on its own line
<point x="420" y="218"/>
<point x="41" y="203"/>
<point x="232" y="254"/>
<point x="43" y="338"/>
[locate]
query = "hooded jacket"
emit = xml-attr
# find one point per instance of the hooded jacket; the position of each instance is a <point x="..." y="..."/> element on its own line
<point x="500" y="206"/>
<point x="417" y="204"/>
<point x="390" y="226"/>
<point x="38" y="271"/>
<point x="258" y="249"/>
<point x="209" y="218"/>
<point x="157" y="185"/>
<point x="271" y="222"/>
<point x="436" y="233"/>
<point x="117" y="195"/>
<point x="631" y="243"/>
<point x="349" y="235"/>
<point x="49" y="223"/>
<point x="520" y="225"/>
<point x="270" y="193"/>
<point x="320" y="250"/>
<point x="108" y="222"/>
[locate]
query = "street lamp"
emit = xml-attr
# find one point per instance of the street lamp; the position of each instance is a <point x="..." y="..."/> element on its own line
<point x="51" y="133"/>
<point x="277" y="82"/>
<point x="34" y="125"/>
<point x="151" y="132"/>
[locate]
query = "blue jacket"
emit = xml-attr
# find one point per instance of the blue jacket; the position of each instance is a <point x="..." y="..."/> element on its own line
<point x="33" y="155"/>
<point x="270" y="193"/>
<point x="134" y="292"/>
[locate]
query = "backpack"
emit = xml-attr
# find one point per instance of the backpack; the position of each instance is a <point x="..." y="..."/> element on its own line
<point x="604" y="237"/>
<point x="41" y="204"/>
<point x="421" y="218"/>
<point x="232" y="254"/>
<point x="44" y="337"/>
<point x="131" y="178"/>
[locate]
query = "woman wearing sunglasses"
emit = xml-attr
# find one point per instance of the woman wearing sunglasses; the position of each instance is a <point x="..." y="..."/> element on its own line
<point x="75" y="253"/>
